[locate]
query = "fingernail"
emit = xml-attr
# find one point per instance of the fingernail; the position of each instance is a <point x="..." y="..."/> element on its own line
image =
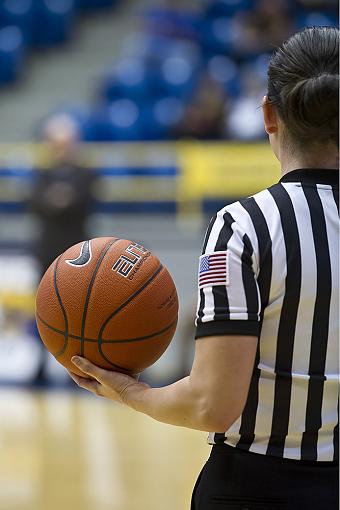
<point x="76" y="360"/>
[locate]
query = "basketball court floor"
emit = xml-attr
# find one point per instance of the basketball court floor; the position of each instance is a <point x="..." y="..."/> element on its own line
<point x="64" y="450"/>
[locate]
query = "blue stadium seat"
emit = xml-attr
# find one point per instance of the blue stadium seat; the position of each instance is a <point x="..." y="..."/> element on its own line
<point x="53" y="21"/>
<point x="12" y="53"/>
<point x="155" y="49"/>
<point x="91" y="124"/>
<point x="117" y="122"/>
<point x="128" y="80"/>
<point x="221" y="8"/>
<point x="261" y="63"/>
<point x="124" y="117"/>
<point x="175" y="77"/>
<point x="19" y="13"/>
<point x="125" y="120"/>
<point x="158" y="118"/>
<point x="149" y="128"/>
<point x="142" y="79"/>
<point x="225" y="72"/>
<point x="172" y="22"/>
<point x="168" y="112"/>
<point x="217" y="36"/>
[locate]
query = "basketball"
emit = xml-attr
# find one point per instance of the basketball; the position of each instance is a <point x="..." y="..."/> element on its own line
<point x="109" y="300"/>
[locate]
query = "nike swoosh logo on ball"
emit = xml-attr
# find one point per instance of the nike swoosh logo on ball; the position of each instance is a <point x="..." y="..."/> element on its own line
<point x="84" y="257"/>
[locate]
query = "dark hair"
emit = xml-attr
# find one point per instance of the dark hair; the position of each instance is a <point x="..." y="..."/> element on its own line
<point x="303" y="84"/>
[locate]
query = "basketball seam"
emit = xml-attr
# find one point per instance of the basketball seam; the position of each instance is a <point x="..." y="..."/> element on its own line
<point x="121" y="307"/>
<point x="89" y="289"/>
<point x="100" y="341"/>
<point x="109" y="341"/>
<point x="55" y="285"/>
<point x="131" y="298"/>
<point x="66" y="333"/>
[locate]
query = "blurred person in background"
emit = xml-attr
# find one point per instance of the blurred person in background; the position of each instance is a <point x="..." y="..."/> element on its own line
<point x="243" y="120"/>
<point x="61" y="198"/>
<point x="61" y="201"/>
<point x="265" y="371"/>
<point x="203" y="117"/>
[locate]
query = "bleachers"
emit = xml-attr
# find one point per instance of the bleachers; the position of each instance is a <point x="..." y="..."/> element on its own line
<point x="26" y="25"/>
<point x="146" y="95"/>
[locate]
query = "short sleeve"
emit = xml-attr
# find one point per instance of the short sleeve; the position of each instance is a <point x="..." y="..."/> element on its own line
<point x="228" y="293"/>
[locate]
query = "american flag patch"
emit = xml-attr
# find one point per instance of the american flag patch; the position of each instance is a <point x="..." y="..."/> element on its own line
<point x="213" y="270"/>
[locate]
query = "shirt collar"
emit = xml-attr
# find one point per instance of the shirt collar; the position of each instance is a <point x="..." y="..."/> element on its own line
<point x="312" y="175"/>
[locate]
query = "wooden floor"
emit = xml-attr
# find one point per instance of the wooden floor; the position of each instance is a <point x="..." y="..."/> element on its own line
<point x="70" y="451"/>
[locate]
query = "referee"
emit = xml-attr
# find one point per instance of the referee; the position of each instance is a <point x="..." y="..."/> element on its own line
<point x="265" y="373"/>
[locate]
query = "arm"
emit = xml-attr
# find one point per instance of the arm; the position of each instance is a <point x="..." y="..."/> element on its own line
<point x="211" y="398"/>
<point x="215" y="393"/>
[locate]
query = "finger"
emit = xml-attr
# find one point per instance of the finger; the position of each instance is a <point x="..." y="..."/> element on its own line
<point x="73" y="376"/>
<point x="76" y="377"/>
<point x="87" y="384"/>
<point x="89" y="368"/>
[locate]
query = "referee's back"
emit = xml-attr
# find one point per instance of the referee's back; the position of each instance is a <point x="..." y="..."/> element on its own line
<point x="269" y="286"/>
<point x="290" y="234"/>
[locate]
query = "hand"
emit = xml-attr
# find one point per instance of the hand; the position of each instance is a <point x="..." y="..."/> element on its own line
<point x="104" y="383"/>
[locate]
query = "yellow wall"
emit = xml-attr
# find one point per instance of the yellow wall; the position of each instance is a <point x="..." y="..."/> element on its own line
<point x="216" y="170"/>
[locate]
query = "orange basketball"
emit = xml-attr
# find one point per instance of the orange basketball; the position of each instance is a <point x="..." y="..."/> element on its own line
<point x="110" y="300"/>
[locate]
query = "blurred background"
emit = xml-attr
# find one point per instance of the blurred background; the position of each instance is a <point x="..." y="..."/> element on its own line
<point x="138" y="119"/>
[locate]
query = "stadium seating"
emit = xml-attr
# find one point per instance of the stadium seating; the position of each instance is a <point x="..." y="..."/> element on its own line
<point x="36" y="23"/>
<point x="129" y="80"/>
<point x="224" y="71"/>
<point x="12" y="53"/>
<point x="53" y="21"/>
<point x="19" y="13"/>
<point x="145" y="95"/>
<point x="161" y="77"/>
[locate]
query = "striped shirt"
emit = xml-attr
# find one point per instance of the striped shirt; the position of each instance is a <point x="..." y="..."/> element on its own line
<point x="280" y="283"/>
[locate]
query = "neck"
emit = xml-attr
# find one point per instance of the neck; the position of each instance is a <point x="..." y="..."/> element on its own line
<point x="329" y="160"/>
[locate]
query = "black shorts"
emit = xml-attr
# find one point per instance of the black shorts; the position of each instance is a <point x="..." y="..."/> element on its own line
<point x="233" y="479"/>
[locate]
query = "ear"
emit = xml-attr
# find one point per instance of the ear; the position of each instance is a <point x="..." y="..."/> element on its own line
<point x="270" y="116"/>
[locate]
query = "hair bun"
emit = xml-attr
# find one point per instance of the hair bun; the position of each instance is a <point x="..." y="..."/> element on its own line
<point x="303" y="84"/>
<point x="312" y="104"/>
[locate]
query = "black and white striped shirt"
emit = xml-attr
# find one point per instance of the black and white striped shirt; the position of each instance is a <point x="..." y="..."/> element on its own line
<point x="280" y="281"/>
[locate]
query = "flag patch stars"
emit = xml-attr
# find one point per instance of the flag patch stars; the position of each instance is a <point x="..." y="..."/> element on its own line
<point x="213" y="270"/>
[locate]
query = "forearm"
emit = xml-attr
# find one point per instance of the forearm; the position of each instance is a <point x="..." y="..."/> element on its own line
<point x="178" y="404"/>
<point x="210" y="399"/>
